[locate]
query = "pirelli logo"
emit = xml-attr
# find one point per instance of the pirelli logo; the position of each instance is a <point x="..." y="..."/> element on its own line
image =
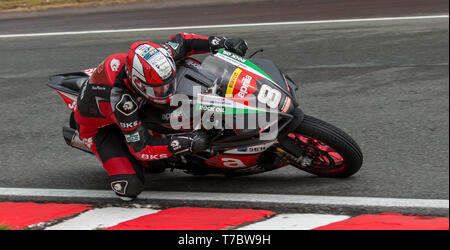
<point x="232" y="82"/>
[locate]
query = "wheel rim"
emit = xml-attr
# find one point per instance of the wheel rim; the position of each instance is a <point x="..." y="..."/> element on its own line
<point x="324" y="158"/>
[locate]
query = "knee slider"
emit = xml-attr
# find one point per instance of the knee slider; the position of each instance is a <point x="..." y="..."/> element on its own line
<point x="127" y="185"/>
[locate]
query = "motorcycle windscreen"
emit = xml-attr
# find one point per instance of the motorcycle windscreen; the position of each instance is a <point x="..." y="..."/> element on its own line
<point x="245" y="83"/>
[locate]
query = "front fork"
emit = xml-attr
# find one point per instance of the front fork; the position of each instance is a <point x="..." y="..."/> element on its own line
<point x="289" y="158"/>
<point x="287" y="149"/>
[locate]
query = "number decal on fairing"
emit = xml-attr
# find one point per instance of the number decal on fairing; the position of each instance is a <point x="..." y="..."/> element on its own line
<point x="270" y="96"/>
<point x="233" y="163"/>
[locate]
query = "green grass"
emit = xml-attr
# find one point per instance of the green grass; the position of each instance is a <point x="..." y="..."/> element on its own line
<point x="10" y="4"/>
<point x="43" y="4"/>
<point x="3" y="227"/>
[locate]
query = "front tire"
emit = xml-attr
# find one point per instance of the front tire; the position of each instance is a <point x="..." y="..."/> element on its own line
<point x="327" y="150"/>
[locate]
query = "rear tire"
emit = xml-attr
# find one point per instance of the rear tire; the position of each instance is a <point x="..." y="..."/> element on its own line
<point x="341" y="155"/>
<point x="72" y="122"/>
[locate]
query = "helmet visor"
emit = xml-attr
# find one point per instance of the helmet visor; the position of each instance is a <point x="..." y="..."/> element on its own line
<point x="160" y="92"/>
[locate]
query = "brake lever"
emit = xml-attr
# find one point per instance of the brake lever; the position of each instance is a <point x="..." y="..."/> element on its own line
<point x="256" y="52"/>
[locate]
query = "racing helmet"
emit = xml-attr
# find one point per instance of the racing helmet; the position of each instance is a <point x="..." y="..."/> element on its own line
<point x="151" y="71"/>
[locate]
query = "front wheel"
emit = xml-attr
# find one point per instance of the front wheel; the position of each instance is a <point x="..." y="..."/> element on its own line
<point x="326" y="150"/>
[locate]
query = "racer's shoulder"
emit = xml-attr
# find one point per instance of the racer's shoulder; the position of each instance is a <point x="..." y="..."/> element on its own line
<point x="108" y="70"/>
<point x="115" y="62"/>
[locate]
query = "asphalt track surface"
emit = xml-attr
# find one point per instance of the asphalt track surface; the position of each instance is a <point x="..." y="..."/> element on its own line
<point x="386" y="83"/>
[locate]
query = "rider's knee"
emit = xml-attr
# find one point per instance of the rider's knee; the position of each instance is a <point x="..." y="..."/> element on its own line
<point x="127" y="185"/>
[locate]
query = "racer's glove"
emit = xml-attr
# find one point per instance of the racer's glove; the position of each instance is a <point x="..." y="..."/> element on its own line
<point x="188" y="143"/>
<point x="235" y="45"/>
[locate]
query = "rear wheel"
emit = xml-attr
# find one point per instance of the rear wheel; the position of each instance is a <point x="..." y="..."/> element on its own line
<point x="326" y="150"/>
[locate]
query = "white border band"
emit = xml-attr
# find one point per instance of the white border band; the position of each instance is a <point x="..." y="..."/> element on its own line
<point x="235" y="197"/>
<point x="226" y="26"/>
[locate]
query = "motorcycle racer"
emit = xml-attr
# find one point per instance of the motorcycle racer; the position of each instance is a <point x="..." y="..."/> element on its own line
<point x="108" y="106"/>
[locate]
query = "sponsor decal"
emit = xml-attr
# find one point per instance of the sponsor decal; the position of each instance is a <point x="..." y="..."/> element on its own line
<point x="128" y="125"/>
<point x="175" y="144"/>
<point x="88" y="142"/>
<point x="245" y="84"/>
<point x="148" y="157"/>
<point x="252" y="149"/>
<point x="73" y="106"/>
<point x="97" y="87"/>
<point x="161" y="65"/>
<point x="234" y="56"/>
<point x="175" y="114"/>
<point x="126" y="105"/>
<point x="70" y="100"/>
<point x="212" y="109"/>
<point x="232" y="82"/>
<point x="167" y="49"/>
<point x="213" y="100"/>
<point x="133" y="137"/>
<point x="146" y="51"/>
<point x="173" y="45"/>
<point x="257" y="149"/>
<point x="115" y="64"/>
<point x="119" y="187"/>
<point x="233" y="162"/>
<point x="215" y="41"/>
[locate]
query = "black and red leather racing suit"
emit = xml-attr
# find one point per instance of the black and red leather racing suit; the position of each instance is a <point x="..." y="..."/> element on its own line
<point x="107" y="116"/>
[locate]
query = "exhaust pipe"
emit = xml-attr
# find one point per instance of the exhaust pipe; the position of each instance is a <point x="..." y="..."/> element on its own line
<point x="72" y="138"/>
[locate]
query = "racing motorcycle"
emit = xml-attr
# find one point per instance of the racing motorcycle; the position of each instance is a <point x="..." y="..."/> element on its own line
<point x="230" y="94"/>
